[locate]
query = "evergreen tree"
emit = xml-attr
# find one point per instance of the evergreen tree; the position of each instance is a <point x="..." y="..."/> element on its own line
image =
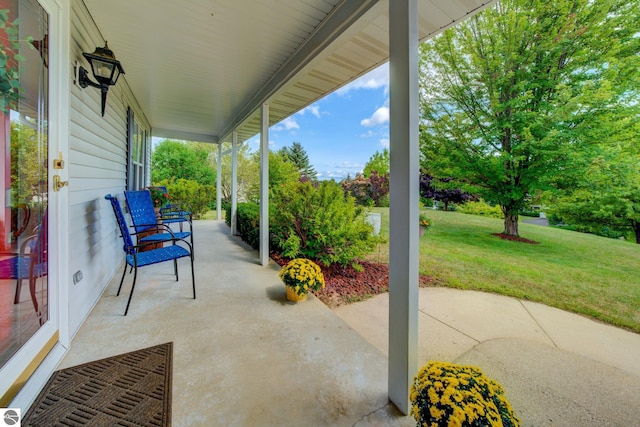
<point x="298" y="156"/>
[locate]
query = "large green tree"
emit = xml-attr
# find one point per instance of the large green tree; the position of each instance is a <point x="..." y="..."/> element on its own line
<point x="379" y="163"/>
<point x="182" y="160"/>
<point x="605" y="193"/>
<point x="509" y="96"/>
<point x="297" y="155"/>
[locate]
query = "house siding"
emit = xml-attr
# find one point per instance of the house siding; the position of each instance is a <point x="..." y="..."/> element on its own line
<point x="97" y="166"/>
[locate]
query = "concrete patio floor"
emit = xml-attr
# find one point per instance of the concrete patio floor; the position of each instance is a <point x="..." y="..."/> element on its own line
<point x="244" y="356"/>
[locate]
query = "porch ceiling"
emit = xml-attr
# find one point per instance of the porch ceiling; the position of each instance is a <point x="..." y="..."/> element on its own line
<point x="202" y="68"/>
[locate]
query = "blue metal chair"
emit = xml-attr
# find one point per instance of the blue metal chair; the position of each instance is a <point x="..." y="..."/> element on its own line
<point x="136" y="258"/>
<point x="144" y="217"/>
<point x="29" y="264"/>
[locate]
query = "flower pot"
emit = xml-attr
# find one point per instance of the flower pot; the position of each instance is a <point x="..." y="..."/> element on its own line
<point x="293" y="296"/>
<point x="422" y="230"/>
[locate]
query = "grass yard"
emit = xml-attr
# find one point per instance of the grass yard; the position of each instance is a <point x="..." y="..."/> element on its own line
<point x="583" y="273"/>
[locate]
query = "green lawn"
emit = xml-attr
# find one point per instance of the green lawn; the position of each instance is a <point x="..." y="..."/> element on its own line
<point x="583" y="273"/>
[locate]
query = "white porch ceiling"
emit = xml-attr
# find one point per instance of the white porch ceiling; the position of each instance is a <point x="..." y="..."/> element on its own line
<point x="201" y="68"/>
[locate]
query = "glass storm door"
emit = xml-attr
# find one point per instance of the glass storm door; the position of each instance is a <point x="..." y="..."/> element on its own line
<point x="24" y="88"/>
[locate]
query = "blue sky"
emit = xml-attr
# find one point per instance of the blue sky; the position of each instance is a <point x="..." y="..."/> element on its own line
<point x="341" y="131"/>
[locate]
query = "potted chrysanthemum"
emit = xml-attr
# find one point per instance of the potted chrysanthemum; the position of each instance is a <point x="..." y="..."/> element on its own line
<point x="445" y="394"/>
<point x="301" y="276"/>
<point x="424" y="223"/>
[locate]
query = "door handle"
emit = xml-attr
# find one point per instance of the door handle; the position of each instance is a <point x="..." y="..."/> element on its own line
<point x="58" y="184"/>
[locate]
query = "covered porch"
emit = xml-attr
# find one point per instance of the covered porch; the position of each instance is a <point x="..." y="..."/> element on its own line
<point x="244" y="355"/>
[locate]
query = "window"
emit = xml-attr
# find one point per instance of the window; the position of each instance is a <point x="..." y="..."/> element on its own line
<point x="137" y="143"/>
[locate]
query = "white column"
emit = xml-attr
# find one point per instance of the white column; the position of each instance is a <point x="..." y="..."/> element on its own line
<point x="264" y="184"/>
<point x="234" y="181"/>
<point x="403" y="217"/>
<point x="219" y="183"/>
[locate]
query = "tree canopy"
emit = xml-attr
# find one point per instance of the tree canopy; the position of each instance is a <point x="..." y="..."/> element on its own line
<point x="511" y="96"/>
<point x="182" y="160"/>
<point x="379" y="163"/>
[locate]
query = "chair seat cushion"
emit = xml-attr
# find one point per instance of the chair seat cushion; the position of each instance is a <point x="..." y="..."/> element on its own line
<point x="155" y="256"/>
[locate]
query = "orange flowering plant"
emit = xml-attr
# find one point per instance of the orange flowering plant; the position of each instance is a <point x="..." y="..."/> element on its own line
<point x="424" y="221"/>
<point x="446" y="395"/>
<point x="302" y="275"/>
<point x="158" y="197"/>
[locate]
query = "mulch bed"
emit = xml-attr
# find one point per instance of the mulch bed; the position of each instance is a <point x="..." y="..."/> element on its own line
<point x="514" y="238"/>
<point x="345" y="285"/>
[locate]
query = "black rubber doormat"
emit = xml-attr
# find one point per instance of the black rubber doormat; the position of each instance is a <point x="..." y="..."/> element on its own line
<point x="131" y="389"/>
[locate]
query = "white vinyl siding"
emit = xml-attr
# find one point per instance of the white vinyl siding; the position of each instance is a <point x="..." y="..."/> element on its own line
<point x="97" y="163"/>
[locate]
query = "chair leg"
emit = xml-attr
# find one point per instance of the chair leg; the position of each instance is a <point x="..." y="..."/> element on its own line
<point x="193" y="277"/>
<point x="124" y="273"/>
<point x="135" y="275"/>
<point x="175" y="268"/>
<point x="16" y="299"/>
<point x="34" y="298"/>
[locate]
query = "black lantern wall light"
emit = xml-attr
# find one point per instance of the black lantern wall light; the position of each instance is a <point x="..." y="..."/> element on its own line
<point x="106" y="70"/>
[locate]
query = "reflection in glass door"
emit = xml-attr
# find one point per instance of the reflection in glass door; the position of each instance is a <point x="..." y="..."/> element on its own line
<point x="24" y="298"/>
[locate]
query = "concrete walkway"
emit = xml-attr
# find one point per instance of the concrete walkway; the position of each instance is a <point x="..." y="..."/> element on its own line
<point x="558" y="368"/>
<point x="244" y="356"/>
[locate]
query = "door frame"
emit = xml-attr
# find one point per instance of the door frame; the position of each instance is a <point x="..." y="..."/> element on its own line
<point x="24" y="375"/>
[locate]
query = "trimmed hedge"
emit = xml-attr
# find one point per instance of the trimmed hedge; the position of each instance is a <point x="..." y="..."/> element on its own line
<point x="248" y="222"/>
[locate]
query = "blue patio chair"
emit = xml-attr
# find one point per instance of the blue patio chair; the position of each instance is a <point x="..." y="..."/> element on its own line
<point x="29" y="263"/>
<point x="136" y="258"/>
<point x="144" y="217"/>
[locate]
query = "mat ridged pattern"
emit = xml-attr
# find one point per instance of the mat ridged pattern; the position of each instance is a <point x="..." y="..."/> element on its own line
<point x="131" y="389"/>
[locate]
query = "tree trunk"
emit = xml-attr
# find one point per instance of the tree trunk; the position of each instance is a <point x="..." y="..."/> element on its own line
<point x="511" y="223"/>
<point x="636" y="229"/>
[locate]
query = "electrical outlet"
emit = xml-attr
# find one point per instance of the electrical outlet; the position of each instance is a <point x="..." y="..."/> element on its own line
<point x="77" y="277"/>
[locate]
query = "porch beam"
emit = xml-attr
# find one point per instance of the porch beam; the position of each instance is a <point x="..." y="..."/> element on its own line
<point x="219" y="183"/>
<point x="264" y="184"/>
<point x="403" y="216"/>
<point x="341" y="18"/>
<point x="184" y="136"/>
<point x="234" y="181"/>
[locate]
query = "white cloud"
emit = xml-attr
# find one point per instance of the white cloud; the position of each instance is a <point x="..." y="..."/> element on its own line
<point x="384" y="142"/>
<point x="380" y="117"/>
<point x="313" y="109"/>
<point x="287" y="124"/>
<point x="374" y="79"/>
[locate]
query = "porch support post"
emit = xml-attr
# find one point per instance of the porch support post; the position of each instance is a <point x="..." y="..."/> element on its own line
<point x="219" y="183"/>
<point x="234" y="181"/>
<point x="264" y="184"/>
<point x="403" y="217"/>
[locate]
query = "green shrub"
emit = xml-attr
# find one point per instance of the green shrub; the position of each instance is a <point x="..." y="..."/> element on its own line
<point x="249" y="223"/>
<point x="481" y="208"/>
<point x="534" y="214"/>
<point x="320" y="223"/>
<point x="190" y="195"/>
<point x="227" y="213"/>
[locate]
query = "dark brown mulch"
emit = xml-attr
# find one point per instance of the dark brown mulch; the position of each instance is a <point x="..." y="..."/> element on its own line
<point x="515" y="238"/>
<point x="346" y="285"/>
